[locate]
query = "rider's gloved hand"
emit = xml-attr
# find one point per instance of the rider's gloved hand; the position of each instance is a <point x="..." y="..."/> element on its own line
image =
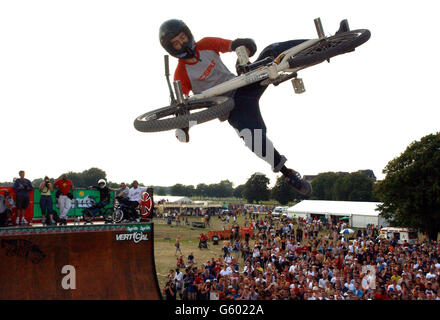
<point x="251" y="47"/>
<point x="248" y="43"/>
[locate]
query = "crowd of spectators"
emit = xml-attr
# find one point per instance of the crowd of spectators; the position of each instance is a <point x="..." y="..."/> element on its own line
<point x="296" y="259"/>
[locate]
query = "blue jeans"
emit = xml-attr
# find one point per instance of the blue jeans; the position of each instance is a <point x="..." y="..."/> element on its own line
<point x="98" y="206"/>
<point x="246" y="113"/>
<point x="46" y="206"/>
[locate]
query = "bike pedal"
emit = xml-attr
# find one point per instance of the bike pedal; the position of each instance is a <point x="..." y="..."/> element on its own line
<point x="298" y="85"/>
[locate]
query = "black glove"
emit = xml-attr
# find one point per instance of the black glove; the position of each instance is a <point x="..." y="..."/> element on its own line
<point x="248" y="43"/>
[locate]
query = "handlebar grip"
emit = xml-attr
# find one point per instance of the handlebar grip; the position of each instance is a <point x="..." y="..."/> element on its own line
<point x="257" y="64"/>
<point x="167" y="65"/>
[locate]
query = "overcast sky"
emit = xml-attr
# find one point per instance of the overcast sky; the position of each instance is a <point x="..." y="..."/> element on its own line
<point x="75" y="74"/>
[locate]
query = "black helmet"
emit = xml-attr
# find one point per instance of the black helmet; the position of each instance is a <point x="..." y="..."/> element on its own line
<point x="170" y="29"/>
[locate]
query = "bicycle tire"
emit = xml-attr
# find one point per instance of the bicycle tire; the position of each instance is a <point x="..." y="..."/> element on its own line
<point x="108" y="214"/>
<point x="330" y="47"/>
<point x="117" y="215"/>
<point x="87" y="215"/>
<point x="156" y="120"/>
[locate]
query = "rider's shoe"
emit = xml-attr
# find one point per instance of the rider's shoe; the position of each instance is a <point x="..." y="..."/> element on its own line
<point x="343" y="27"/>
<point x="299" y="184"/>
<point x="182" y="135"/>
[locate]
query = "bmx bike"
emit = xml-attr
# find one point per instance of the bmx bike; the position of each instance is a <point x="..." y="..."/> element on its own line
<point x="142" y="212"/>
<point x="89" y="214"/>
<point x="210" y="104"/>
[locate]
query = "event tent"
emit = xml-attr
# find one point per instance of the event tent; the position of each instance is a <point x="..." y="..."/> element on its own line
<point x="360" y="213"/>
<point x="172" y="199"/>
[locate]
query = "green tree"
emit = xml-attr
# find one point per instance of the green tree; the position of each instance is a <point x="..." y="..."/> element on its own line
<point x="256" y="188"/>
<point x="225" y="189"/>
<point x="36" y="182"/>
<point x="355" y="186"/>
<point x="86" y="178"/>
<point x="323" y="185"/>
<point x="160" y="191"/>
<point x="202" y="190"/>
<point x="238" y="191"/>
<point x="189" y="191"/>
<point x="178" y="189"/>
<point x="369" y="173"/>
<point x="410" y="192"/>
<point x="114" y="185"/>
<point x="283" y="192"/>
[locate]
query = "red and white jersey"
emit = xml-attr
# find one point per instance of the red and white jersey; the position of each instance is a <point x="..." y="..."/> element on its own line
<point x="209" y="72"/>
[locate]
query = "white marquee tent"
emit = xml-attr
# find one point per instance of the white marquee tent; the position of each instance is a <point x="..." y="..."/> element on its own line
<point x="173" y="199"/>
<point x="360" y="213"/>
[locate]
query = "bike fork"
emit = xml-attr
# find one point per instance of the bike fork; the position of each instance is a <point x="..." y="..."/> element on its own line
<point x="297" y="83"/>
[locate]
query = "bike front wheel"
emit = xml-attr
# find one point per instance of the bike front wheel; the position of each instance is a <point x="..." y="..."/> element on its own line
<point x="117" y="215"/>
<point x="177" y="117"/>
<point x="330" y="47"/>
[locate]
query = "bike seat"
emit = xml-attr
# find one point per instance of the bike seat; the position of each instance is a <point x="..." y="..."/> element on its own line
<point x="343" y="27"/>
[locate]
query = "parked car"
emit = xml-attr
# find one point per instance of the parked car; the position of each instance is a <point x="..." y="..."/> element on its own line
<point x="278" y="211"/>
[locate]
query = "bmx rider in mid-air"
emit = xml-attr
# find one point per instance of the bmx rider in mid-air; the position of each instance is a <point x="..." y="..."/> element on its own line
<point x="200" y="68"/>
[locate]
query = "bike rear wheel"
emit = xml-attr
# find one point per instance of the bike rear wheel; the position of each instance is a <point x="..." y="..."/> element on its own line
<point x="195" y="111"/>
<point x="108" y="215"/>
<point x="330" y="47"/>
<point x="87" y="215"/>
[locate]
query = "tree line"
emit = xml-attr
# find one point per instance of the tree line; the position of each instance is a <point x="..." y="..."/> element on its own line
<point x="355" y="186"/>
<point x="82" y="179"/>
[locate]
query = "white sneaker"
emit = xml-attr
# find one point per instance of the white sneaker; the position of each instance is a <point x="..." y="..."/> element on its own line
<point x="17" y="221"/>
<point x="24" y="221"/>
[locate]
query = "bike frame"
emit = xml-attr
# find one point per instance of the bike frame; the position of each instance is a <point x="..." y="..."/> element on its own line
<point x="265" y="72"/>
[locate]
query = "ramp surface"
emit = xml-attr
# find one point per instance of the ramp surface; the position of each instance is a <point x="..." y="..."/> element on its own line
<point x="78" y="262"/>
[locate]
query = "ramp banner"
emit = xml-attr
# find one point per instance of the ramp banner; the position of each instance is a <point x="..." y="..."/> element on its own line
<point x="82" y="199"/>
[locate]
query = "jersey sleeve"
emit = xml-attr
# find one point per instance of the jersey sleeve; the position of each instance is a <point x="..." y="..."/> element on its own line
<point x="215" y="44"/>
<point x="180" y="74"/>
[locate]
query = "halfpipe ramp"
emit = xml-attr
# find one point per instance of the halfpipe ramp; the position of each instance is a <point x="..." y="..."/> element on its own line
<point x="78" y="262"/>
